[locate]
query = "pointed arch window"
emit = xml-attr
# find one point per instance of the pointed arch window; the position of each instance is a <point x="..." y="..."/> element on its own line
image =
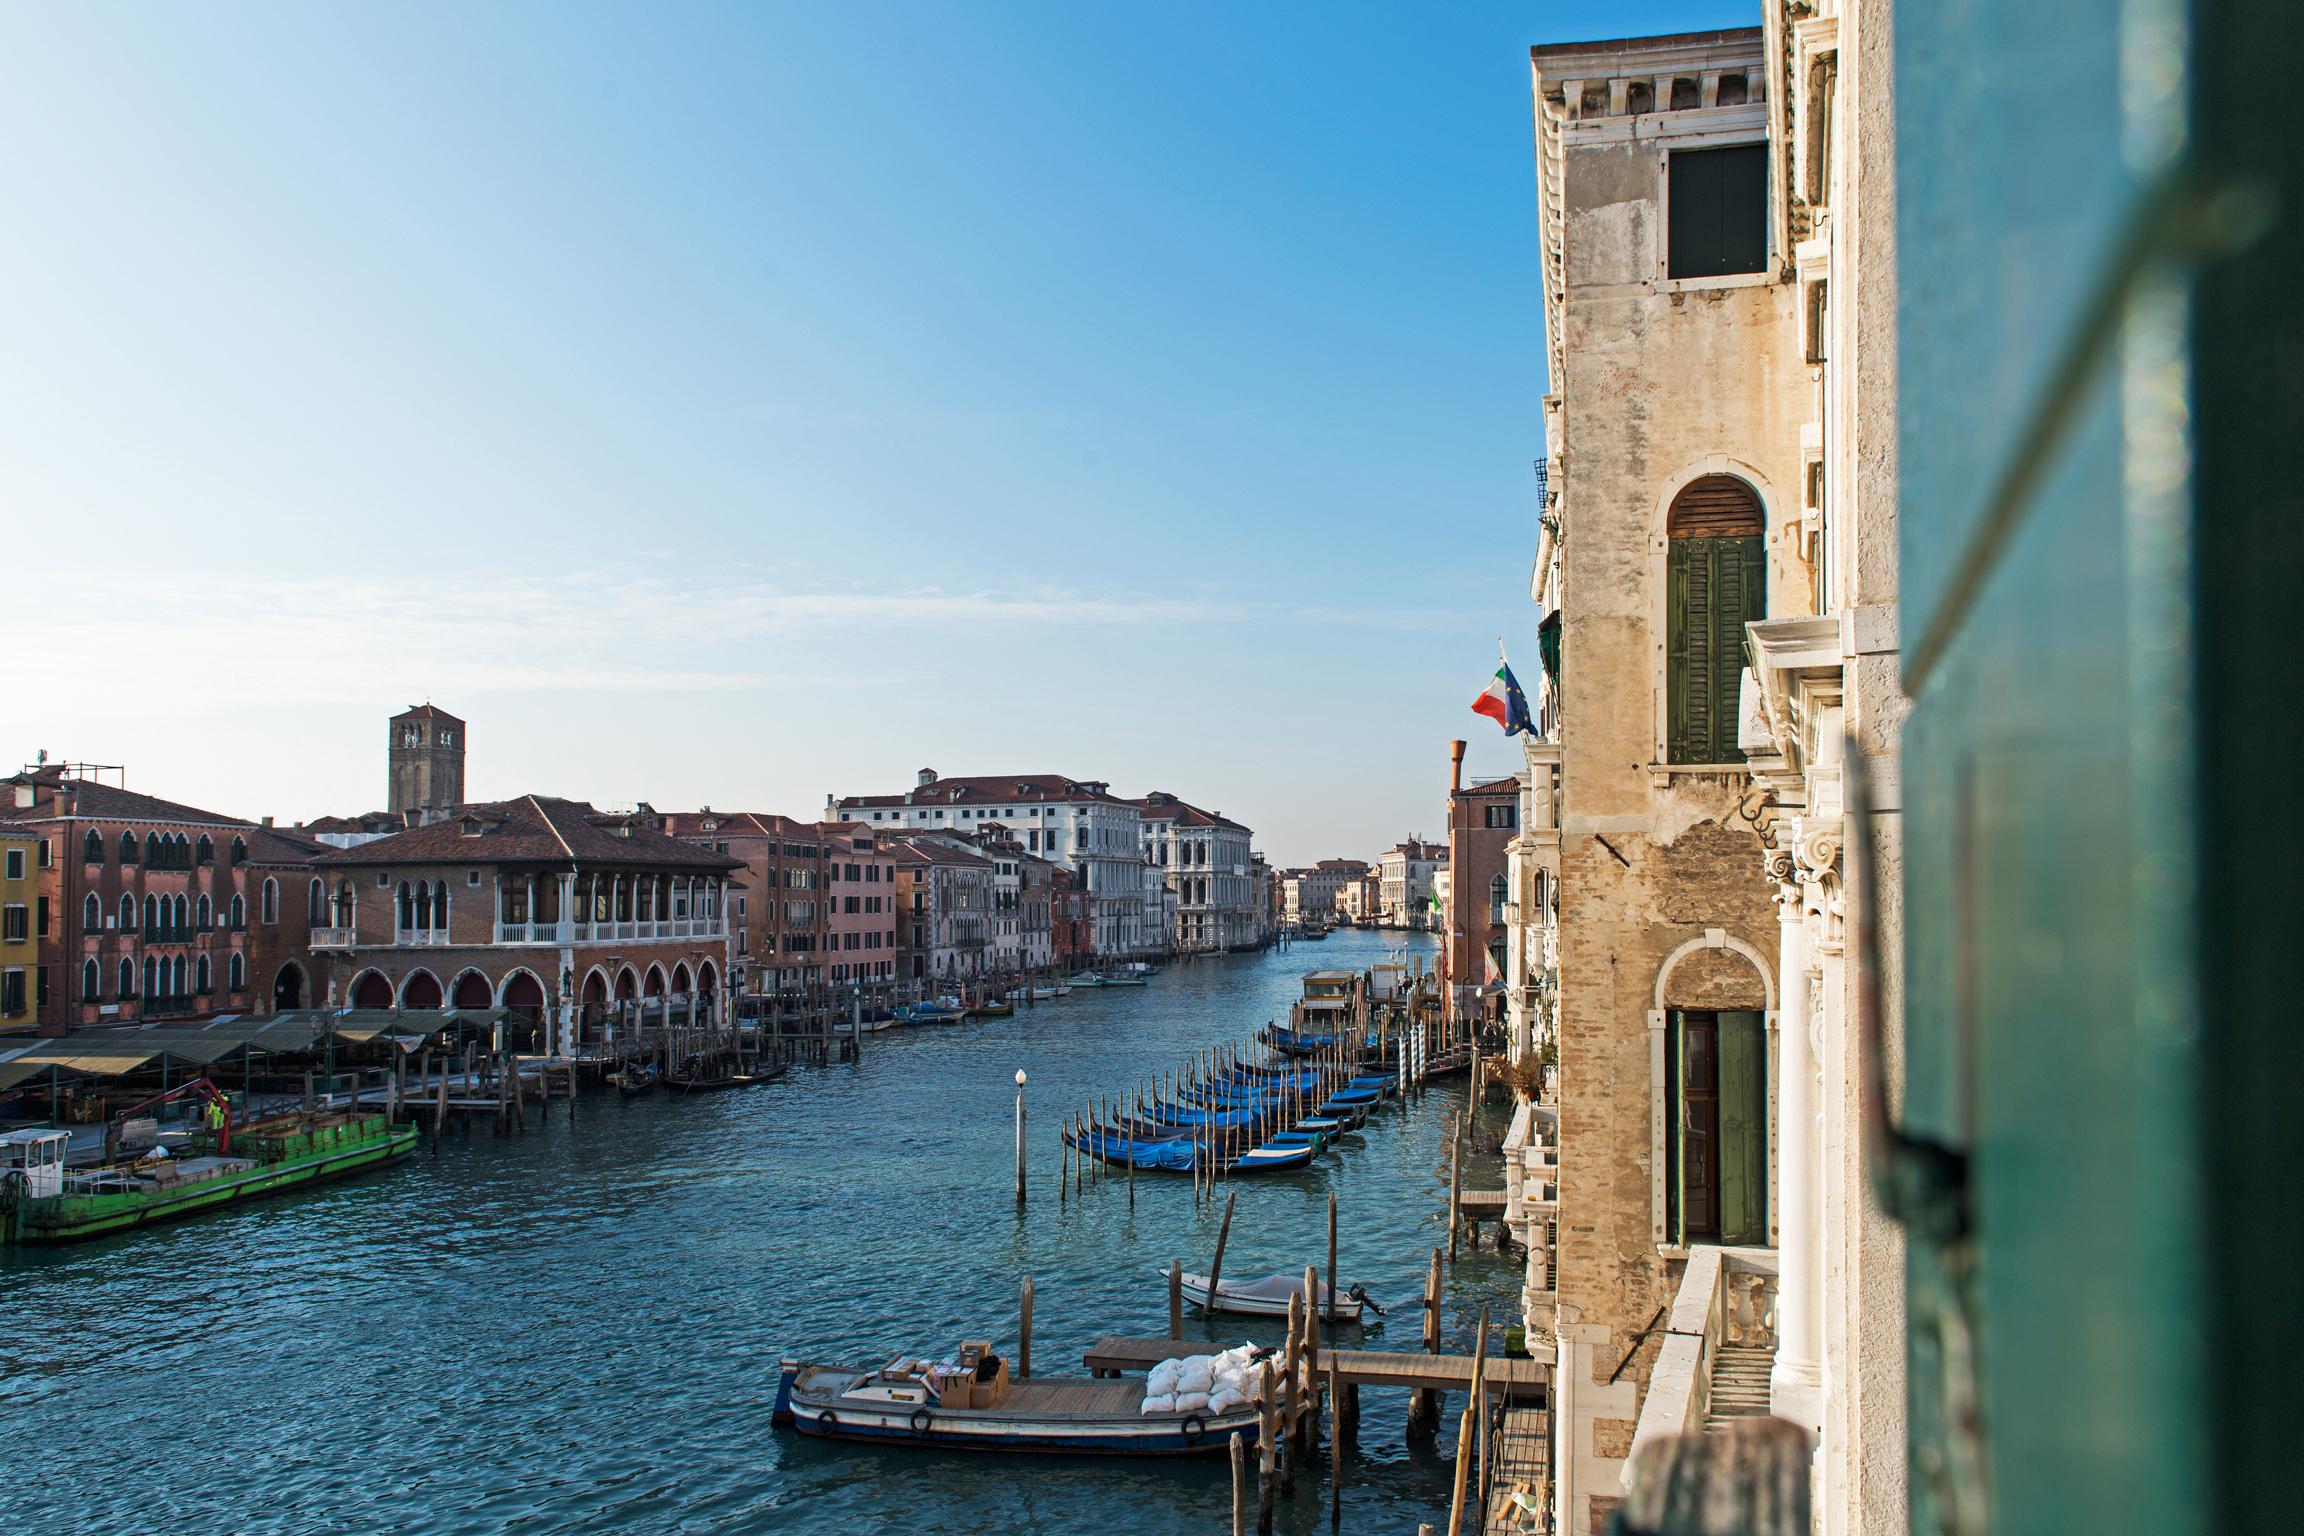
<point x="271" y="907"/>
<point x="1715" y="583"/>
<point x="236" y="969"/>
<point x="239" y="850"/>
<point x="127" y="847"/>
<point x="201" y="913"/>
<point x="239" y="910"/>
<point x="154" y="853"/>
<point x="151" y="916"/>
<point x="206" y="852"/>
<point x="91" y="982"/>
<point x="91" y="913"/>
<point x="316" y="903"/>
<point x="94" y="853"/>
<point x="201" y="976"/>
<point x="152" y="977"/>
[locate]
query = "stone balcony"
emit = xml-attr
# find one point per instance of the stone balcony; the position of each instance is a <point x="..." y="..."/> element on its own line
<point x="1532" y="1209"/>
<point x="1718" y="1347"/>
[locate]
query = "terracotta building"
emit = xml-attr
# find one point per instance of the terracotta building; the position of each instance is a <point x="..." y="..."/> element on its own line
<point x="147" y="902"/>
<point x="800" y="920"/>
<point x="546" y="907"/>
<point x="1482" y="819"/>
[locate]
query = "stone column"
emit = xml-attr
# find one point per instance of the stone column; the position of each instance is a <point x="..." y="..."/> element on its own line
<point x="1795" y="1389"/>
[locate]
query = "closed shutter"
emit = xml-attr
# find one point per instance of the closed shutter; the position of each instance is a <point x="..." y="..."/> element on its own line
<point x="1741" y="596"/>
<point x="1713" y="587"/>
<point x="1743" y="1128"/>
<point x="1718" y="216"/>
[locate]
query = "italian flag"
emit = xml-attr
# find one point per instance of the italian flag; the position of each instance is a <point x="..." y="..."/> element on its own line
<point x="1503" y="702"/>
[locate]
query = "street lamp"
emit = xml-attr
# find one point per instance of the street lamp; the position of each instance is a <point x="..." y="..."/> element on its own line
<point x="1019" y="1135"/>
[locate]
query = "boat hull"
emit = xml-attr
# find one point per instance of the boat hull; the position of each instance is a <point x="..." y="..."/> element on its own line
<point x="828" y="1415"/>
<point x="71" y="1218"/>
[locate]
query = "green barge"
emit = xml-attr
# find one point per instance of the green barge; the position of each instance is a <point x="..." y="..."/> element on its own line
<point x="41" y="1201"/>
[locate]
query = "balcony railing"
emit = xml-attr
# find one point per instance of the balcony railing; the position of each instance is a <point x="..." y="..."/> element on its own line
<point x="1726" y="1307"/>
<point x="333" y="938"/>
<point x="421" y="937"/>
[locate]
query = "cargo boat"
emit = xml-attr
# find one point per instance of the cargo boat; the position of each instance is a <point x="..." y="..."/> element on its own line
<point x="43" y="1202"/>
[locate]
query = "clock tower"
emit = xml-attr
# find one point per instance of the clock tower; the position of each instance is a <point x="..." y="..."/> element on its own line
<point x="425" y="751"/>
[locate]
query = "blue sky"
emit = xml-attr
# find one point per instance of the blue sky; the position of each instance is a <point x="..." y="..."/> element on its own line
<point x="731" y="404"/>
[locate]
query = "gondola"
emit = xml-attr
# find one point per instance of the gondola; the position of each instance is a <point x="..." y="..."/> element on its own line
<point x="635" y="1080"/>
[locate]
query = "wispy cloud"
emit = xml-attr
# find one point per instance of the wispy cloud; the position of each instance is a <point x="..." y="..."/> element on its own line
<point x="585" y="631"/>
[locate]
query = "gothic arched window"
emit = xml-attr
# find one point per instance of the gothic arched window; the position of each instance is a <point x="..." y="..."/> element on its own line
<point x="95" y="849"/>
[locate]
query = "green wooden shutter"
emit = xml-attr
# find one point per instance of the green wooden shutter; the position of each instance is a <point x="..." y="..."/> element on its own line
<point x="1743" y="1128"/>
<point x="1689" y="644"/>
<point x="1741" y="585"/>
<point x="1675" y="1132"/>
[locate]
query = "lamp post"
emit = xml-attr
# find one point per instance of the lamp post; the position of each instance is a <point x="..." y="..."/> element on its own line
<point x="1019" y="1135"/>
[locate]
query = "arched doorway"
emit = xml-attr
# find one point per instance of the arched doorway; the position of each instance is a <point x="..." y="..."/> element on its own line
<point x="473" y="991"/>
<point x="371" y="991"/>
<point x="524" y="1002"/>
<point x="288" y="988"/>
<point x="595" y="988"/>
<point x="421" y="990"/>
<point x="627" y="985"/>
<point x="654" y="985"/>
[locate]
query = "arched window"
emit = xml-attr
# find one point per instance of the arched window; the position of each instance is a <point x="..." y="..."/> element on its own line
<point x="151" y="914"/>
<point x="152" y="851"/>
<point x="239" y="910"/>
<point x="316" y="903"/>
<point x="405" y="906"/>
<point x="1499" y="892"/>
<point x="343" y="904"/>
<point x="206" y="852"/>
<point x="201" y="912"/>
<point x="184" y="913"/>
<point x="91" y="914"/>
<point x="91" y="982"/>
<point x="1715" y="583"/>
<point x="95" y="849"/>
<point x="152" y="982"/>
<point x="178" y="989"/>
<point x="127" y="911"/>
<point x="127" y="847"/>
<point x="440" y="905"/>
<point x="237" y="970"/>
<point x="239" y="849"/>
<point x="201" y="975"/>
<point x="127" y="980"/>
<point x="271" y="900"/>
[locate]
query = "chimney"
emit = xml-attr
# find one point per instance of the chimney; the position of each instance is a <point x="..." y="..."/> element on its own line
<point x="1455" y="767"/>
<point x="267" y="821"/>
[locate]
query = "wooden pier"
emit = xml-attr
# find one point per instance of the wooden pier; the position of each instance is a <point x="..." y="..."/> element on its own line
<point x="1114" y="1356"/>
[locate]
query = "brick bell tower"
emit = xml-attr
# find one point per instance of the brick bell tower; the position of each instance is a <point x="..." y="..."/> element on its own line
<point x="425" y="752"/>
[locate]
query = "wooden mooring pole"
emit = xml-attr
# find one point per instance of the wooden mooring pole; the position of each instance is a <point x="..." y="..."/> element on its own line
<point x="1223" y="1236"/>
<point x="1024" y="1345"/>
<point x="1176" y="1299"/>
<point x="1239" y="1486"/>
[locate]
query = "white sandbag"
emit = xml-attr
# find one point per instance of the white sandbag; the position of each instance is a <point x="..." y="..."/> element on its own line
<point x="1224" y="1400"/>
<point x="1191" y="1402"/>
<point x="1229" y="1379"/>
<point x="1162" y="1381"/>
<point x="1195" y="1377"/>
<point x="1163" y="1403"/>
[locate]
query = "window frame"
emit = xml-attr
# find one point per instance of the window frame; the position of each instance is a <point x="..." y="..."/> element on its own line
<point x="1726" y="137"/>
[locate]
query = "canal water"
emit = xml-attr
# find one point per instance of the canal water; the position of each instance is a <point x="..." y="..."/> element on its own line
<point x="577" y="1329"/>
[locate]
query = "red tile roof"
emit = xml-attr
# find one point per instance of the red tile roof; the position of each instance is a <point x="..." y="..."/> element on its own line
<point x="426" y="712"/>
<point x="1024" y="788"/>
<point x="532" y="829"/>
<point x="1160" y="806"/>
<point x="94" y="800"/>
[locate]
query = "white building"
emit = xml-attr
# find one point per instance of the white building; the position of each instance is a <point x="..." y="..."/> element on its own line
<point x="1078" y="823"/>
<point x="1406" y="871"/>
<point x="1206" y="861"/>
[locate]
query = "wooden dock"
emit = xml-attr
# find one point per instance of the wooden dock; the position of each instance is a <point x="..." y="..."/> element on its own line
<point x="1354" y="1367"/>
<point x="1521" y="1464"/>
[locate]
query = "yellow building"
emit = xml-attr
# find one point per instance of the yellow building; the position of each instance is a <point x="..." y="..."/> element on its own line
<point x="20" y="931"/>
